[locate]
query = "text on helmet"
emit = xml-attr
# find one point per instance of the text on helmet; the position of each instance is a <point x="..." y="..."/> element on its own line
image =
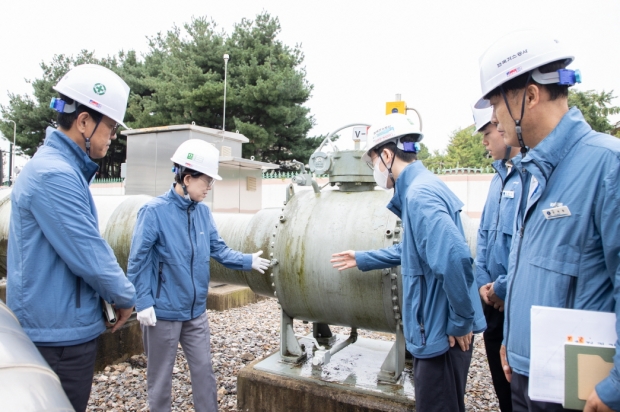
<point x="509" y="58"/>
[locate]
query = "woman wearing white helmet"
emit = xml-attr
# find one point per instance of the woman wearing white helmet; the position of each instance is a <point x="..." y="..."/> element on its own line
<point x="566" y="250"/>
<point x="174" y="239"/>
<point x="441" y="306"/>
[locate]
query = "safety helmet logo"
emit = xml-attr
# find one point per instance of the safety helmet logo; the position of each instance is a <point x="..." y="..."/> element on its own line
<point x="190" y="156"/>
<point x="513" y="71"/>
<point x="99" y="88"/>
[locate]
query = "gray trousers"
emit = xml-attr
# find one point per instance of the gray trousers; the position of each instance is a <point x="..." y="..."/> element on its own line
<point x="160" y="345"/>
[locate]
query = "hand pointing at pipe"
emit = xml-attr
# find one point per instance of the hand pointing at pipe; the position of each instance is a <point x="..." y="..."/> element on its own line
<point x="344" y="260"/>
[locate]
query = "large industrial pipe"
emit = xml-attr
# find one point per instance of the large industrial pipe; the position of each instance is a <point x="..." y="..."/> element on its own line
<point x="299" y="238"/>
<point x="26" y="381"/>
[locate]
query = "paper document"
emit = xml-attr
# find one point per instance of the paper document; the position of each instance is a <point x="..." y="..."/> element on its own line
<point x="551" y="328"/>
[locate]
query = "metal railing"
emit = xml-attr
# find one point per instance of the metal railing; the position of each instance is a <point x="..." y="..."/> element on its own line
<point x="108" y="180"/>
<point x="437" y="171"/>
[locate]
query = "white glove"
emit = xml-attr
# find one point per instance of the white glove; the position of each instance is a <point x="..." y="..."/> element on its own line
<point x="258" y="263"/>
<point x="147" y="317"/>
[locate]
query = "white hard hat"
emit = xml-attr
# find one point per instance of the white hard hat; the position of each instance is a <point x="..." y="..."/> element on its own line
<point x="198" y="155"/>
<point x="515" y="54"/>
<point x="96" y="87"/>
<point x="391" y="128"/>
<point x="482" y="117"/>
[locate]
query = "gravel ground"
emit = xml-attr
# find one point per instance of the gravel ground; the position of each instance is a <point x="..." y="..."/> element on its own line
<point x="238" y="336"/>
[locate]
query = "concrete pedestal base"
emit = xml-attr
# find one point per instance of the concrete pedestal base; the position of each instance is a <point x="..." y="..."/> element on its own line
<point x="119" y="346"/>
<point x="230" y="296"/>
<point x="347" y="384"/>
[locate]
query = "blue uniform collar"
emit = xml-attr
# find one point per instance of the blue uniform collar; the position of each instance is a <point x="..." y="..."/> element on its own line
<point x="61" y="142"/>
<point x="500" y="167"/>
<point x="179" y="200"/>
<point x="402" y="183"/>
<point x="553" y="148"/>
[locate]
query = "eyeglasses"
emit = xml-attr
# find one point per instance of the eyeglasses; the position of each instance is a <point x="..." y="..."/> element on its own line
<point x="208" y="180"/>
<point x="371" y="163"/>
<point x="113" y="129"/>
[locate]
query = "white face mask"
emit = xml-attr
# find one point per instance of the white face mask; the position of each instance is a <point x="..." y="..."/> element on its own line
<point x="380" y="177"/>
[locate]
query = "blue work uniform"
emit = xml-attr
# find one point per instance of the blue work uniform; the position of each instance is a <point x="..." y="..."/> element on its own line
<point x="58" y="264"/>
<point x="571" y="261"/>
<point x="169" y="263"/>
<point x="440" y="297"/>
<point x="492" y="252"/>
<point x="496" y="227"/>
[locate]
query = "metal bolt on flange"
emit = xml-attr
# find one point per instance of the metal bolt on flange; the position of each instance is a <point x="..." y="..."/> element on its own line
<point x="282" y="218"/>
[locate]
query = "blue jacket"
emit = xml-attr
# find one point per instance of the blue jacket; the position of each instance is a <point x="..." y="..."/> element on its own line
<point x="173" y="242"/>
<point x="573" y="261"/>
<point x="58" y="263"/>
<point x="439" y="292"/>
<point x="496" y="226"/>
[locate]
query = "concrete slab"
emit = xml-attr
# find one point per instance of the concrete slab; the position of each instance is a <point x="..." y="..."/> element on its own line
<point x="347" y="384"/>
<point x="225" y="297"/>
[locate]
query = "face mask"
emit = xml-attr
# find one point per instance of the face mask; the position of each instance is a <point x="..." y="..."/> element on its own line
<point x="380" y="177"/>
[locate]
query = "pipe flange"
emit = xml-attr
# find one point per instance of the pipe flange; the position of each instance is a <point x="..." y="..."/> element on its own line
<point x="394" y="274"/>
<point x="274" y="267"/>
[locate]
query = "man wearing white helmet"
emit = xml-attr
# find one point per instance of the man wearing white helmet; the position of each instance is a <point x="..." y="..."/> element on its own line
<point x="174" y="239"/>
<point x="59" y="266"/>
<point x="441" y="307"/>
<point x="493" y="245"/>
<point x="566" y="251"/>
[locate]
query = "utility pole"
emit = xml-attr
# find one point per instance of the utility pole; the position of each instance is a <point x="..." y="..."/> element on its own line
<point x="226" y="57"/>
<point x="12" y="154"/>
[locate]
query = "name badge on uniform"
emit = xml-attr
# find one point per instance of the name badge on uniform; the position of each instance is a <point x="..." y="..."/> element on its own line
<point x="510" y="194"/>
<point x="556" y="212"/>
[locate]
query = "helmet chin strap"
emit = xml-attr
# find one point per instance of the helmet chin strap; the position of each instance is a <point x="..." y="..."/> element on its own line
<point x="518" y="122"/>
<point x="87" y="139"/>
<point x="389" y="168"/>
<point x="180" y="175"/>
<point x="507" y="154"/>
